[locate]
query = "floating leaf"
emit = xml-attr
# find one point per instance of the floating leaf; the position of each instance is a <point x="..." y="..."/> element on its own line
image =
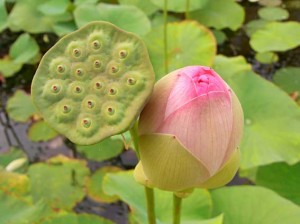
<point x="288" y="79"/>
<point x="273" y="13"/>
<point x="70" y="218"/>
<point x="54" y="7"/>
<point x="145" y="5"/>
<point x="157" y="19"/>
<point x="180" y="6"/>
<point x="270" y="2"/>
<point x="276" y="36"/>
<point x="196" y="207"/>
<point x="26" y="16"/>
<point x="282" y="178"/>
<point x="267" y="111"/>
<point x="253" y="205"/>
<point x="106" y="149"/>
<point x="14" y="211"/>
<point x="189" y="43"/>
<point x="63" y="28"/>
<point x="254" y="25"/>
<point x="20" y="107"/>
<point x="8" y="67"/>
<point x="126" y="17"/>
<point x="13" y="183"/>
<point x="59" y="182"/>
<point x="266" y="57"/>
<point x="220" y="36"/>
<point x="24" y="49"/>
<point x="41" y="131"/>
<point x="3" y="15"/>
<point x="94" y="187"/>
<point x="220" y="14"/>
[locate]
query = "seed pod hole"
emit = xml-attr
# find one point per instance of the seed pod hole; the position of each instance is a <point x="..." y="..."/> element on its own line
<point x="79" y="72"/>
<point x="86" y="122"/>
<point x="110" y="110"/>
<point x="114" y="69"/>
<point x="97" y="64"/>
<point x="66" y="109"/>
<point x="112" y="91"/>
<point x="131" y="81"/>
<point x="96" y="44"/>
<point x="123" y="54"/>
<point x="90" y="104"/>
<point x="98" y="85"/>
<point x="60" y="68"/>
<point x="76" y="52"/>
<point x="55" y="88"/>
<point x="77" y="89"/>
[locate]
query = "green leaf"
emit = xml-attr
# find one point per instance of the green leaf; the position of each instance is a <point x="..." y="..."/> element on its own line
<point x="106" y="149"/>
<point x="8" y="67"/>
<point x="59" y="182"/>
<point x="194" y="208"/>
<point x="273" y="13"/>
<point x="71" y="218"/>
<point x="24" y="49"/>
<point x="3" y="15"/>
<point x="20" y="107"/>
<point x="145" y="5"/>
<point x="266" y="57"/>
<point x="126" y="17"/>
<point x="276" y="36"/>
<point x="282" y="178"/>
<point x="36" y="21"/>
<point x="220" y="36"/>
<point x="41" y="131"/>
<point x="270" y="2"/>
<point x="14" y="211"/>
<point x="267" y="111"/>
<point x="63" y="28"/>
<point x="189" y="43"/>
<point x="220" y="14"/>
<point x="13" y="183"/>
<point x="53" y="7"/>
<point x="253" y="205"/>
<point x="180" y="6"/>
<point x="254" y="25"/>
<point x="94" y="186"/>
<point x="288" y="79"/>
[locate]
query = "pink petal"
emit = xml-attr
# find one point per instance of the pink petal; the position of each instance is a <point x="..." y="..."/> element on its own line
<point x="204" y="127"/>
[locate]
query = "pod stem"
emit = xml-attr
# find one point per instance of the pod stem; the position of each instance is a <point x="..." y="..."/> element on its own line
<point x="148" y="191"/>
<point x="187" y="9"/>
<point x="176" y="209"/>
<point x="166" y="36"/>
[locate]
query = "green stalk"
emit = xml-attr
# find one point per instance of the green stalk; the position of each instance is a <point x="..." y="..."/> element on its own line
<point x="148" y="191"/>
<point x="166" y="36"/>
<point x="176" y="209"/>
<point x="187" y="9"/>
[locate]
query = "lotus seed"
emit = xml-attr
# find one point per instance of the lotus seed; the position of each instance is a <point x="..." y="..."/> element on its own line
<point x="98" y="85"/>
<point x="79" y="71"/>
<point x="96" y="45"/>
<point x="90" y="104"/>
<point x="66" y="109"/>
<point x="110" y="111"/>
<point x="60" y="68"/>
<point x="86" y="122"/>
<point x="78" y="89"/>
<point x="131" y="81"/>
<point x="114" y="69"/>
<point x="97" y="64"/>
<point x="123" y="54"/>
<point x="76" y="53"/>
<point x="112" y="91"/>
<point x="55" y="88"/>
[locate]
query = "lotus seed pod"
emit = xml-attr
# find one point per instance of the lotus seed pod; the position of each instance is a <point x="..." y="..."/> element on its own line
<point x="93" y="83"/>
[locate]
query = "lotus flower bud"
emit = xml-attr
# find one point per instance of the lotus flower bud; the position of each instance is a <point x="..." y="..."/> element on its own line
<point x="189" y="132"/>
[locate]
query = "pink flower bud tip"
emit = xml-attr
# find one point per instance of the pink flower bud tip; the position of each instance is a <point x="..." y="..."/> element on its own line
<point x="199" y="108"/>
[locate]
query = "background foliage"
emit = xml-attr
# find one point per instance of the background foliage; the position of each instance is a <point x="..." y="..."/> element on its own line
<point x="254" y="45"/>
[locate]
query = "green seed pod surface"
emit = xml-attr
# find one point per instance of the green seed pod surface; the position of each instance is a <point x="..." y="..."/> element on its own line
<point x="93" y="83"/>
